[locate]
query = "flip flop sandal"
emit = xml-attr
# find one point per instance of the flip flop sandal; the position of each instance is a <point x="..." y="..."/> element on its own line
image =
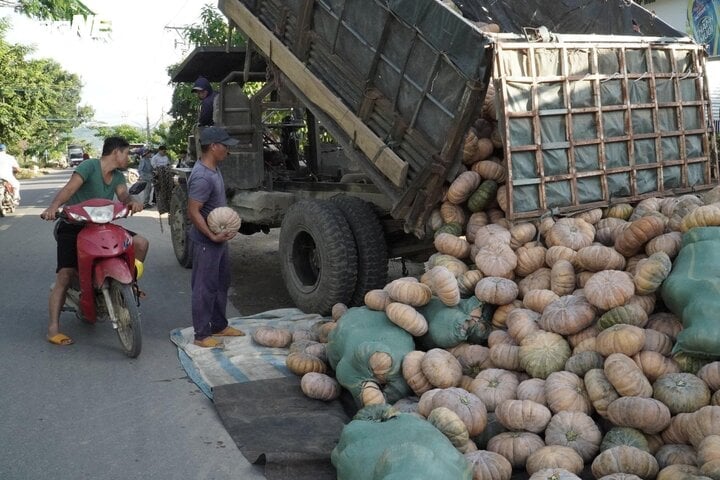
<point x="60" y="339"/>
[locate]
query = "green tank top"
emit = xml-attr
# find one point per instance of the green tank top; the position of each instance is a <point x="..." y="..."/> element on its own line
<point x="93" y="185"/>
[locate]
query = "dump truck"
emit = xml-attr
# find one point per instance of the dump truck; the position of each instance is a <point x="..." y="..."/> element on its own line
<point x="362" y="109"/>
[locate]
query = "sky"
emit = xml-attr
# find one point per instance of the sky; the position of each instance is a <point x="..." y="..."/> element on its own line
<point x="124" y="74"/>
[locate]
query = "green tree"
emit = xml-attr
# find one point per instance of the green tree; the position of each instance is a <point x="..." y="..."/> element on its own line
<point x="213" y="30"/>
<point x="49" y="9"/>
<point x="39" y="101"/>
<point x="130" y="133"/>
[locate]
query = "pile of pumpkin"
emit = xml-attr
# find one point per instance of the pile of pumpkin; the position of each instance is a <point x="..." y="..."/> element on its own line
<point x="578" y="351"/>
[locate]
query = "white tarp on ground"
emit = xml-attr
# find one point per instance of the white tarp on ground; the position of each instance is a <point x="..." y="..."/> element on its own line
<point x="242" y="360"/>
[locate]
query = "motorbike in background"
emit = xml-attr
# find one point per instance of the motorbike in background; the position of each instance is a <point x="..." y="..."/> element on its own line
<point x="106" y="286"/>
<point x="7" y="197"/>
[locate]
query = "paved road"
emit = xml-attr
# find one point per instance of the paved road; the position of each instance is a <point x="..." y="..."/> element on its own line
<point x="87" y="411"/>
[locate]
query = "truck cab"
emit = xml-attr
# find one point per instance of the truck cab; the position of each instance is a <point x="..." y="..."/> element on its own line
<point x="75" y="155"/>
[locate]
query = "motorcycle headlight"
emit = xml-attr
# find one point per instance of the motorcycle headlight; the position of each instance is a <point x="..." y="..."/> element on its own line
<point x="102" y="214"/>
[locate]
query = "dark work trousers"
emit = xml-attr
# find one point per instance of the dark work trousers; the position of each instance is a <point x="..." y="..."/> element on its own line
<point x="210" y="283"/>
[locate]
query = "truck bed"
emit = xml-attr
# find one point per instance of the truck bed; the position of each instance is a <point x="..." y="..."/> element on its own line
<point x="386" y="80"/>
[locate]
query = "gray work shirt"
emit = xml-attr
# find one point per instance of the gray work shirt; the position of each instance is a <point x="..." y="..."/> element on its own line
<point x="207" y="187"/>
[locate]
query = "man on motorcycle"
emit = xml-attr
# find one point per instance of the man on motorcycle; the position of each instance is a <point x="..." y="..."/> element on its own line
<point x="93" y="178"/>
<point x="8" y="168"/>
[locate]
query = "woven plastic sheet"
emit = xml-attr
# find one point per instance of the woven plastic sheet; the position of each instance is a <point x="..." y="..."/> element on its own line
<point x="241" y="360"/>
<point x="692" y="292"/>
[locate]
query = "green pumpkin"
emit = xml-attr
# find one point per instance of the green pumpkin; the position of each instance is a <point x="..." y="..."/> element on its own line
<point x="542" y="353"/>
<point x="681" y="392"/>
<point x="582" y="362"/>
<point x="483" y="196"/>
<point x="689" y="363"/>
<point x="617" y="436"/>
<point x="453" y="228"/>
<point x="630" y="314"/>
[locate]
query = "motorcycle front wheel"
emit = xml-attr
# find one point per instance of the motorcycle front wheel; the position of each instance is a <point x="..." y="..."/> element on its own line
<point x="125" y="306"/>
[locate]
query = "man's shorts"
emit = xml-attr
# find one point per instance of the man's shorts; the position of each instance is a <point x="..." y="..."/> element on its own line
<point x="66" y="237"/>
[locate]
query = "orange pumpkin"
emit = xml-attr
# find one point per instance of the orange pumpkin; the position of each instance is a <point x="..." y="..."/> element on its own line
<point x="462" y="187"/>
<point x="496" y="260"/>
<point x="626" y="377"/>
<point x="411" y="293"/>
<point x="516" y="447"/>
<point x="641" y="231"/>
<point x="625" y="459"/>
<point x="496" y="290"/>
<point x="562" y="278"/>
<point x="566" y="391"/>
<point x="444" y="284"/>
<point x="596" y="258"/>
<point x="646" y="414"/>
<point x="412" y="372"/>
<point x="575" y="430"/>
<point x="567" y="315"/>
<point x="493" y="386"/>
<point x="573" y="233"/>
<point x="620" y="338"/>
<point x="523" y="415"/>
<point x="609" y="289"/>
<point x="407" y="318"/>
<point x="600" y="391"/>
<point x="377" y="299"/>
<point x="441" y="368"/>
<point x="320" y="386"/>
<point x="452" y="245"/>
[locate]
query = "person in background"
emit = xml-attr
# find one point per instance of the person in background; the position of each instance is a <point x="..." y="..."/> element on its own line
<point x="160" y="159"/>
<point x="93" y="178"/>
<point x="210" y="278"/>
<point x="145" y="170"/>
<point x="8" y="168"/>
<point x="205" y="93"/>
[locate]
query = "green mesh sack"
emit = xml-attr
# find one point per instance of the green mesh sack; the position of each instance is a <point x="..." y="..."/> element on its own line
<point x="692" y="292"/>
<point x="382" y="444"/>
<point x="359" y="334"/>
<point x="450" y="326"/>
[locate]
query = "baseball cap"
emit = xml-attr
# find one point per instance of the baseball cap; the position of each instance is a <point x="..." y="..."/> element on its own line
<point x="216" y="135"/>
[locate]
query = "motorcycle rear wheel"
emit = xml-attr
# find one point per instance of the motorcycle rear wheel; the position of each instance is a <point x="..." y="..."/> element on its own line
<point x="125" y="306"/>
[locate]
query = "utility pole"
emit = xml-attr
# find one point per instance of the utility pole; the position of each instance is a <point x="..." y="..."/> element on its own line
<point x="147" y="122"/>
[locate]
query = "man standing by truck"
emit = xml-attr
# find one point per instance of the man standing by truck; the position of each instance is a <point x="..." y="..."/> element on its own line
<point x="210" y="278"/>
<point x="205" y="93"/>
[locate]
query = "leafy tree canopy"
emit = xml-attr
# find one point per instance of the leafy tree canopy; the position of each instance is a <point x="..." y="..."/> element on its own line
<point x="49" y="10"/>
<point x="213" y="30"/>
<point x="39" y="101"/>
<point x="131" y="133"/>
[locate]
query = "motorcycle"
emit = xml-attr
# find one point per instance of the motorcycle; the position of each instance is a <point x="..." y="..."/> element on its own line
<point x="106" y="286"/>
<point x="7" y="197"/>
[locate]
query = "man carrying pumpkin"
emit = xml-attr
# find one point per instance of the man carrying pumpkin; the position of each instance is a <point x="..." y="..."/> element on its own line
<point x="211" y="262"/>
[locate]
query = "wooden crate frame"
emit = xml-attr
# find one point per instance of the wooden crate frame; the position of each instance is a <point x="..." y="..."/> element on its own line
<point x="509" y="46"/>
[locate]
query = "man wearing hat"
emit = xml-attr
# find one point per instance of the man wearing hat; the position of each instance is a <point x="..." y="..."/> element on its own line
<point x="8" y="168"/>
<point x="210" y="278"/>
<point x="205" y="93"/>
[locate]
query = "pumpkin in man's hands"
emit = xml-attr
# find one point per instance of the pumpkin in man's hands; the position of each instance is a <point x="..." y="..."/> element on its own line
<point x="223" y="219"/>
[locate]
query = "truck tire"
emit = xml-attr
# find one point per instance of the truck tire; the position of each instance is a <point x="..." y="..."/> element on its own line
<point x="179" y="227"/>
<point x="318" y="258"/>
<point x="372" y="267"/>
